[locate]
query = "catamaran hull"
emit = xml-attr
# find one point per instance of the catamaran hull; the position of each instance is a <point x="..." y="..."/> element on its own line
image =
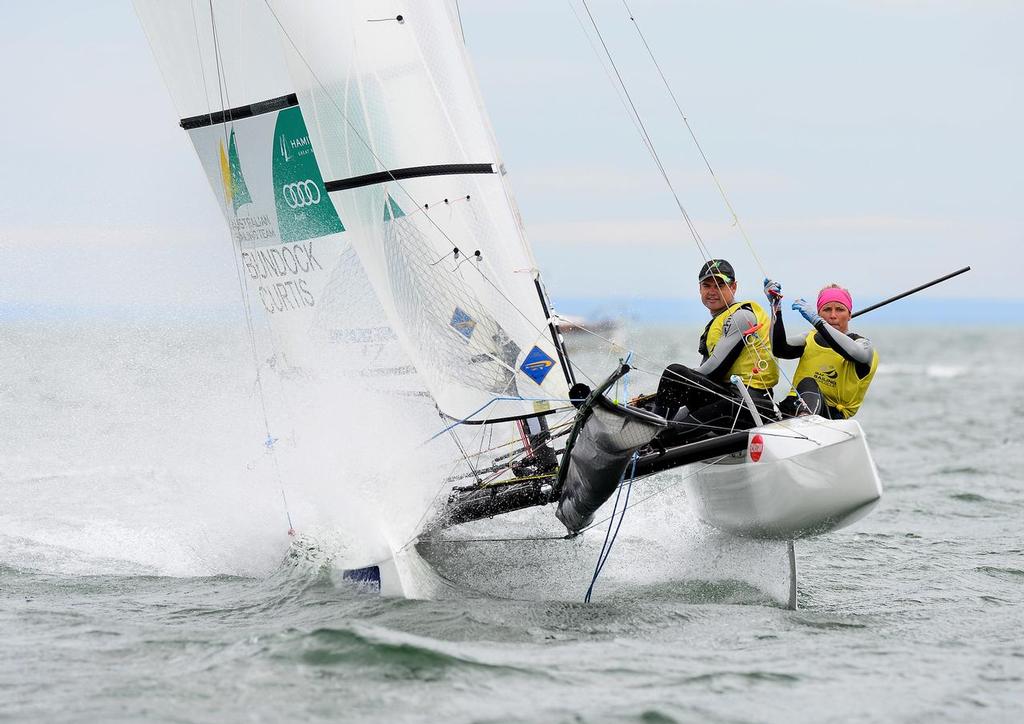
<point x="797" y="478"/>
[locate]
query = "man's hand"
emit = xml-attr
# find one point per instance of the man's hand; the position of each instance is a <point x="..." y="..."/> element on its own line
<point x="807" y="310"/>
<point x="773" y="290"/>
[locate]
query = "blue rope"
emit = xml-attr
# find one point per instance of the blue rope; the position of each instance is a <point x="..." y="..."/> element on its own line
<point x="606" y="547"/>
<point x="623" y="380"/>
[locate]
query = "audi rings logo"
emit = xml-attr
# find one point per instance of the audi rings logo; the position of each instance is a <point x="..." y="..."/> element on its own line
<point x="301" y="193"/>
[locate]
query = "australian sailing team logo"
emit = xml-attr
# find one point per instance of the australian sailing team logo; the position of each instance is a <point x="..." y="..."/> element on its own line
<point x="304" y="210"/>
<point x="827" y="375"/>
<point x="236" y="193"/>
<point x="392" y="210"/>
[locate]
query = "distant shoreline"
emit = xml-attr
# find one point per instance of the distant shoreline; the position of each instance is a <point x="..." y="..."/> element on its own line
<point x="924" y="310"/>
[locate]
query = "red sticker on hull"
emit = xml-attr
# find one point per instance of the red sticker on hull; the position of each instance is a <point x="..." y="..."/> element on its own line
<point x="756" y="447"/>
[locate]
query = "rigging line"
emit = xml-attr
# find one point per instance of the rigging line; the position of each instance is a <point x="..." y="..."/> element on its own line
<point x="608" y="74"/>
<point x="465" y="457"/>
<point x="612" y="344"/>
<point x="377" y="158"/>
<point x="606" y="547"/>
<point x="701" y="246"/>
<point x="495" y="540"/>
<point x="380" y="162"/>
<point x="243" y="288"/>
<point x="445" y="482"/>
<point x="656" y="493"/>
<point x="685" y="381"/>
<point x="580" y="532"/>
<point x="352" y="126"/>
<point x="714" y="176"/>
<point x="538" y="330"/>
<point x="462" y="30"/>
<point x="555" y="431"/>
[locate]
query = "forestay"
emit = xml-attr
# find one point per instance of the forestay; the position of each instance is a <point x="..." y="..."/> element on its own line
<point x="409" y="160"/>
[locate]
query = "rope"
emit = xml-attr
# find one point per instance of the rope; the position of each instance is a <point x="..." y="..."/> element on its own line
<point x="654" y="494"/>
<point x="606" y="547"/>
<point x="721" y="190"/>
<point x="648" y="141"/>
<point x="243" y="287"/>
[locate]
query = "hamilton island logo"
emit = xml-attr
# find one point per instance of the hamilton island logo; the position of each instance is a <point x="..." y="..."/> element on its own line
<point x="236" y="193"/>
<point x="304" y="209"/>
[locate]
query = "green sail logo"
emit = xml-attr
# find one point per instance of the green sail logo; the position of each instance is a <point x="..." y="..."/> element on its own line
<point x="236" y="192"/>
<point x="304" y="210"/>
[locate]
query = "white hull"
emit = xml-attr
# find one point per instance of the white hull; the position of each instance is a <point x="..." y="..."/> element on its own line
<point x="810" y="476"/>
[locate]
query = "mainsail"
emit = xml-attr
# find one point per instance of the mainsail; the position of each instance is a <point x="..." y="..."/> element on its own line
<point x="409" y="161"/>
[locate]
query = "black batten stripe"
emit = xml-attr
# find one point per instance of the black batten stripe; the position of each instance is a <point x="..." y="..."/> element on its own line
<point x="398" y="174"/>
<point x="233" y="114"/>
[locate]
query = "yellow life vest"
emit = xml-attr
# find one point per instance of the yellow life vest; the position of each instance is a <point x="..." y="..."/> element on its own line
<point x="755" y="366"/>
<point x="836" y="376"/>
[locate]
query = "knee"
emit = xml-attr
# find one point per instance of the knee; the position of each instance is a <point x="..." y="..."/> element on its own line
<point x="807" y="384"/>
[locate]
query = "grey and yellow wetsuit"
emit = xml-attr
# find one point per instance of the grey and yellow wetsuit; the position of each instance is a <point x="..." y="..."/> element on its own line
<point x="834" y="371"/>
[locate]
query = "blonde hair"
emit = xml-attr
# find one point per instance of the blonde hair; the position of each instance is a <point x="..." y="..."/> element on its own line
<point x="833" y="285"/>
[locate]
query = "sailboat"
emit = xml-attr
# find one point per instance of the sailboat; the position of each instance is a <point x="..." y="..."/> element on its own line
<point x="376" y="237"/>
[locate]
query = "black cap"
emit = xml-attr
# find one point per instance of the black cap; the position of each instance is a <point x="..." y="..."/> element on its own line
<point x="717" y="268"/>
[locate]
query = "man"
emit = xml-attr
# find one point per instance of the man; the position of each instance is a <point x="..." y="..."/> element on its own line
<point x="704" y="401"/>
<point x="836" y="366"/>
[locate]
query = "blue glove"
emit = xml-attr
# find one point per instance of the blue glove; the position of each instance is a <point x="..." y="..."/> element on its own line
<point x="773" y="290"/>
<point x="807" y="310"/>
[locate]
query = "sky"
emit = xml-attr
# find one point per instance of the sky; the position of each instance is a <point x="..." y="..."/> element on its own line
<point x="869" y="142"/>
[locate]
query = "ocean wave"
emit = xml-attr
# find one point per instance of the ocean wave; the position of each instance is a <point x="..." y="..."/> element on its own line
<point x="370" y="650"/>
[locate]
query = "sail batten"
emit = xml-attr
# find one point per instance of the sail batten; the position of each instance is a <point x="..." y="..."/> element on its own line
<point x="401" y="174"/>
<point x="249" y="110"/>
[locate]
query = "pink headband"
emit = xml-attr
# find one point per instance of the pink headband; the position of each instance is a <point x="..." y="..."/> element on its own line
<point x="834" y="294"/>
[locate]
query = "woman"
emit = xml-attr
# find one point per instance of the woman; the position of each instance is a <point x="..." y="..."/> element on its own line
<point x="836" y="366"/>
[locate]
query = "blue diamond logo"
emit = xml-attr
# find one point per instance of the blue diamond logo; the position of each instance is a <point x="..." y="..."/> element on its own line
<point x="537" y="365"/>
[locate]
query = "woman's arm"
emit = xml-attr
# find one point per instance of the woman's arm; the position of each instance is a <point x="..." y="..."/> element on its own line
<point x="856" y="349"/>
<point x="784" y="347"/>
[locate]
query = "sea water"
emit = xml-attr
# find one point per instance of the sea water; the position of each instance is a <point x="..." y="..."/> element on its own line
<point x="144" y="572"/>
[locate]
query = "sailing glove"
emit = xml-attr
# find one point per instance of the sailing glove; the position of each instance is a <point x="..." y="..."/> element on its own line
<point x="807" y="310"/>
<point x="773" y="290"/>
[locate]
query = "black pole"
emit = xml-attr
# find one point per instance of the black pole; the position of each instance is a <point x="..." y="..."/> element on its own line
<point x="912" y="291"/>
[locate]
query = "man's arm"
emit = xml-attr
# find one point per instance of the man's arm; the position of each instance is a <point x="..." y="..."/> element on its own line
<point x="729" y="346"/>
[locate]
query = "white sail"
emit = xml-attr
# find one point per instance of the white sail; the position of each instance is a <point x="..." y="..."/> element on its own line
<point x="226" y="72"/>
<point x="408" y="157"/>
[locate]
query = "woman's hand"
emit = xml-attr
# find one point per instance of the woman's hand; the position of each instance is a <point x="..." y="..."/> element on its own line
<point x="807" y="310"/>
